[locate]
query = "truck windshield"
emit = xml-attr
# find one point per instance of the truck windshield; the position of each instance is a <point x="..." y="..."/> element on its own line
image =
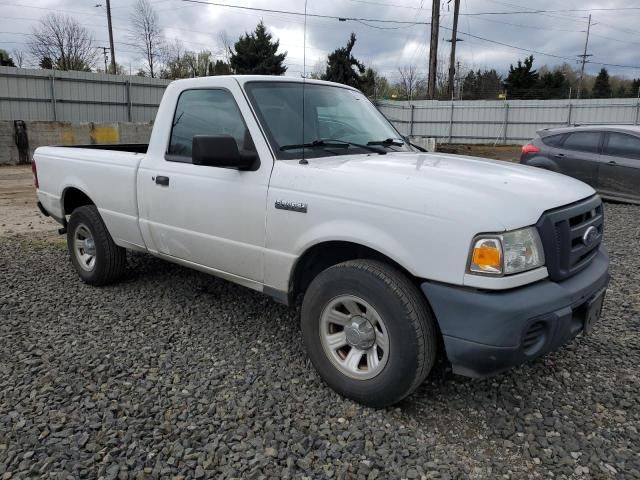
<point x="337" y="121"/>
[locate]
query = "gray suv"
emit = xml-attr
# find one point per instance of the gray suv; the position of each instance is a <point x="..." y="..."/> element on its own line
<point x="605" y="157"/>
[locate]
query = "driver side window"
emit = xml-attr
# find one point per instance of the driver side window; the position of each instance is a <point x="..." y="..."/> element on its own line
<point x="206" y="112"/>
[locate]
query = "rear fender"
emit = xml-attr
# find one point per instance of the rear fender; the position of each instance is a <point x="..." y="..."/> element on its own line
<point x="542" y="162"/>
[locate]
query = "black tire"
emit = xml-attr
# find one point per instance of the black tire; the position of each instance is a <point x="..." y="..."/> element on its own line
<point x="409" y="323"/>
<point x="110" y="260"/>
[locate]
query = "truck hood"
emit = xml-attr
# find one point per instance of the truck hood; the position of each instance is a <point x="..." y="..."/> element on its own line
<point x="441" y="185"/>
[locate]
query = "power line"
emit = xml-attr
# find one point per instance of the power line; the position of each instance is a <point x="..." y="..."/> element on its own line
<point x="566" y="10"/>
<point x="302" y="14"/>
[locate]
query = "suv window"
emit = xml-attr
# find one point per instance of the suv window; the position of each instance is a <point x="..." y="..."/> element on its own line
<point x="583" y="141"/>
<point x="622" y="145"/>
<point x="553" y="140"/>
<point x="206" y="112"/>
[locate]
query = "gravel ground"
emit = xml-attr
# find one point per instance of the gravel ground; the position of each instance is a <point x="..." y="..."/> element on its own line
<point x="176" y="374"/>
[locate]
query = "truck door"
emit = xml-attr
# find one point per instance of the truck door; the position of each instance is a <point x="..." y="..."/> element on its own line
<point x="209" y="216"/>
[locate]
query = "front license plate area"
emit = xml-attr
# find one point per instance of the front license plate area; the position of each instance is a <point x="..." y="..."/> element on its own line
<point x="593" y="309"/>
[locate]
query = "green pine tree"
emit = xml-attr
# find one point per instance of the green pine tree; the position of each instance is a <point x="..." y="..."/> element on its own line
<point x="601" y="87"/>
<point x="522" y="79"/>
<point x="343" y="67"/>
<point x="256" y="54"/>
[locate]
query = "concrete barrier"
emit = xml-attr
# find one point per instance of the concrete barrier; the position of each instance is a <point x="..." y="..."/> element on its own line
<point x="67" y="133"/>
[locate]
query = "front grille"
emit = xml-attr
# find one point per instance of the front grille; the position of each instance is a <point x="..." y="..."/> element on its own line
<point x="562" y="231"/>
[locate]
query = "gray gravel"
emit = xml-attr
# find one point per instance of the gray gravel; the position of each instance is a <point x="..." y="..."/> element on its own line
<point x="176" y="374"/>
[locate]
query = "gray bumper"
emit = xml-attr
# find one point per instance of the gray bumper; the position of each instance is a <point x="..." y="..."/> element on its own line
<point x="486" y="332"/>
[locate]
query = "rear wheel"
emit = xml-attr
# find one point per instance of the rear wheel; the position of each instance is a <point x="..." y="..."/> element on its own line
<point x="368" y="331"/>
<point x="96" y="258"/>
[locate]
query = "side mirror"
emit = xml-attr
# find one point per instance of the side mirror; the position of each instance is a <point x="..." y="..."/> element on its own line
<point x="220" y="151"/>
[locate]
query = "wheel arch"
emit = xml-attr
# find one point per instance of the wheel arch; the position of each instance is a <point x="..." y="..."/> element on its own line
<point x="543" y="162"/>
<point x="72" y="198"/>
<point x="325" y="254"/>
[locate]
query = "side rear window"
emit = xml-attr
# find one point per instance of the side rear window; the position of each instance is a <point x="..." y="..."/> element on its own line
<point x="206" y="112"/>
<point x="623" y="145"/>
<point x="583" y="141"/>
<point x="552" y="140"/>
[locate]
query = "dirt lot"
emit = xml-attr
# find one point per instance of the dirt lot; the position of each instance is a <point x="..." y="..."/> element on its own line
<point x="175" y="374"/>
<point x="510" y="153"/>
<point x="18" y="212"/>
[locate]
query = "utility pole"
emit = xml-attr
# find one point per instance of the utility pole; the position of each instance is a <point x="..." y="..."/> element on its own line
<point x="584" y="59"/>
<point x="454" y="39"/>
<point x="433" y="48"/>
<point x="113" y="52"/>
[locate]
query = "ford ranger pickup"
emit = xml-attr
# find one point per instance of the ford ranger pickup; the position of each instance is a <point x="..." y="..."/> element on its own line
<point x="301" y="189"/>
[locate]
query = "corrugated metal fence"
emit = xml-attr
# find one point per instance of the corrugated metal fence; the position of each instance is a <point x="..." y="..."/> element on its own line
<point x="510" y="122"/>
<point x="92" y="97"/>
<point x="77" y="96"/>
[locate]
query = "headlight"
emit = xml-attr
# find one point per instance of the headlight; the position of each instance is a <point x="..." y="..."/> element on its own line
<point x="511" y="252"/>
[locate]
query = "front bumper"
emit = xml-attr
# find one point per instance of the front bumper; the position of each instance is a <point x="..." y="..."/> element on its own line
<point x="486" y="332"/>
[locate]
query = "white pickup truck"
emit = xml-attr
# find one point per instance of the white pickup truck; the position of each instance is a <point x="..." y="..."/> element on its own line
<point x="302" y="189"/>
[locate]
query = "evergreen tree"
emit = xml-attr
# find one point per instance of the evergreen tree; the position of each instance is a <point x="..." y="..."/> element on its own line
<point x="221" y="68"/>
<point x="255" y="54"/>
<point x="343" y="67"/>
<point x="522" y="79"/>
<point x="481" y="85"/>
<point x="635" y="88"/>
<point x="553" y="85"/>
<point x="601" y="87"/>
<point x="5" y="59"/>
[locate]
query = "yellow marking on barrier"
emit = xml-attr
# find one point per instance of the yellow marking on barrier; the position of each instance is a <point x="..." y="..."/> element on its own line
<point x="68" y="136"/>
<point x="105" y="134"/>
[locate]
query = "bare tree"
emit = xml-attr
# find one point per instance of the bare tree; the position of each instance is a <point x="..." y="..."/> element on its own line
<point x="411" y="83"/>
<point x="18" y="58"/>
<point x="147" y="35"/>
<point x="226" y="45"/>
<point x="61" y="42"/>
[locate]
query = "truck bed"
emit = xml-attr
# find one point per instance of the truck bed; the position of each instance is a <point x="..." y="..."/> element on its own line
<point x="117" y="147"/>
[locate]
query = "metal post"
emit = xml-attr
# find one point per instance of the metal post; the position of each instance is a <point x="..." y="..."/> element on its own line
<point x="638" y="107"/>
<point x="570" y="107"/>
<point x="413" y="107"/>
<point x="52" y="85"/>
<point x="128" y="87"/>
<point x="451" y="123"/>
<point x="506" y="122"/>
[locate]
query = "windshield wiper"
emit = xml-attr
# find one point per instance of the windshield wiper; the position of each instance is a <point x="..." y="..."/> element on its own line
<point x="324" y="143"/>
<point x="396" y="142"/>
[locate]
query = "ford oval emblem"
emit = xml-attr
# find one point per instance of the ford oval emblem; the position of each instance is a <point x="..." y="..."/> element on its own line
<point x="590" y="236"/>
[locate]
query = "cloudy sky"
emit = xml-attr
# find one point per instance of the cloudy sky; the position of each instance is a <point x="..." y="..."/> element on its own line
<point x="615" y="36"/>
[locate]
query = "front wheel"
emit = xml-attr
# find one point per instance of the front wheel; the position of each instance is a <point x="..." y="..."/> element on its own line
<point x="368" y="331"/>
<point x="96" y="258"/>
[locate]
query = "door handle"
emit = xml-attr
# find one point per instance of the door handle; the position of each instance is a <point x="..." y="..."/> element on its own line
<point x="559" y="155"/>
<point x="161" y="180"/>
<point x="612" y="162"/>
